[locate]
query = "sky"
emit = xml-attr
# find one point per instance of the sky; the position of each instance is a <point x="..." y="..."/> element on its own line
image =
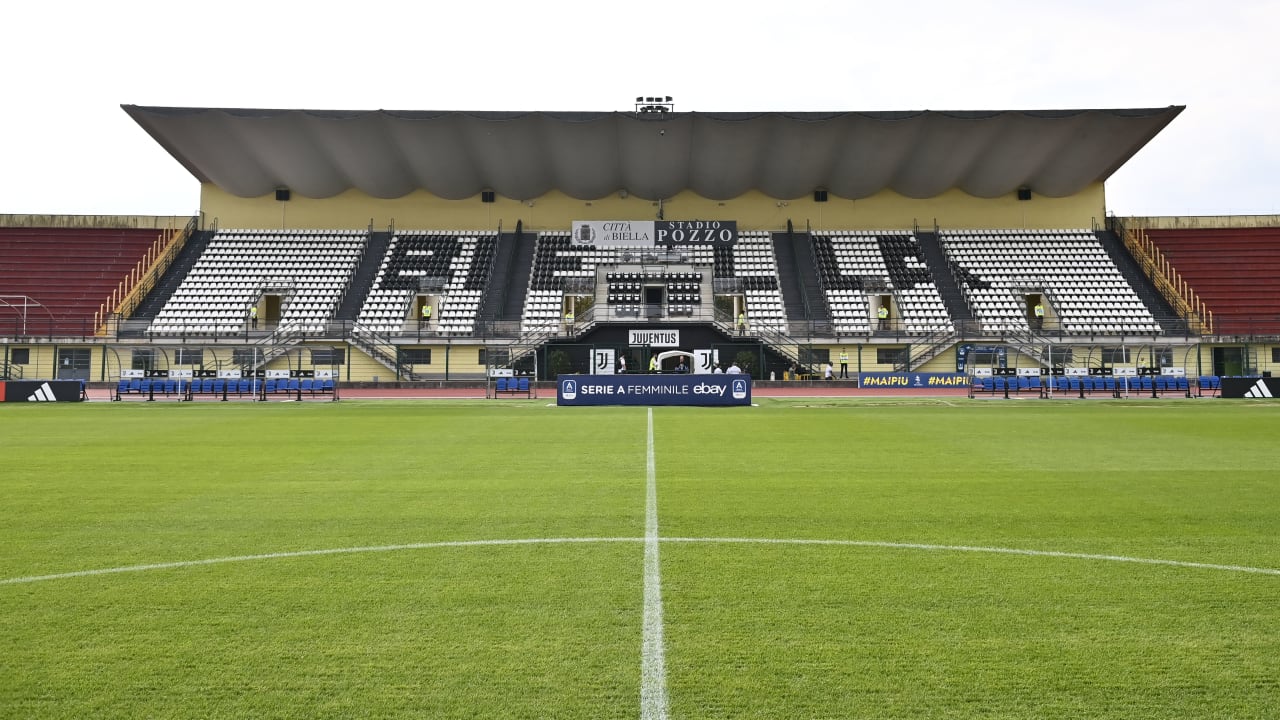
<point x="66" y="147"/>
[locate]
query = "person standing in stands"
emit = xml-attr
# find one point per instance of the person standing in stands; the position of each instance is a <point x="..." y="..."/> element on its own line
<point x="425" y="320"/>
<point x="681" y="367"/>
<point x="742" y="323"/>
<point x="844" y="364"/>
<point x="883" y="314"/>
<point x="253" y="316"/>
<point x="568" y="321"/>
<point x="653" y="363"/>
<point x="1039" y="315"/>
<point x="622" y="365"/>
<point x="826" y="371"/>
<point x="733" y="369"/>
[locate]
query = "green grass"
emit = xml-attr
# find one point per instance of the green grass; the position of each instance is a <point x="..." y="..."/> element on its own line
<point x="554" y="629"/>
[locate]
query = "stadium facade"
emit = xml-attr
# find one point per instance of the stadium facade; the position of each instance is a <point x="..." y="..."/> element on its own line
<point x="401" y="247"/>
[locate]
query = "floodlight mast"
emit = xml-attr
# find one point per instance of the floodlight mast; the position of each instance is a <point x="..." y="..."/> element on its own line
<point x="650" y="104"/>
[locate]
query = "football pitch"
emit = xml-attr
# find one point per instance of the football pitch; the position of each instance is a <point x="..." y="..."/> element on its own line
<point x="513" y="559"/>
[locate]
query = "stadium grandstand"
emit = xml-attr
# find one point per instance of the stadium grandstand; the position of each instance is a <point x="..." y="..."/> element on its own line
<point x="427" y="247"/>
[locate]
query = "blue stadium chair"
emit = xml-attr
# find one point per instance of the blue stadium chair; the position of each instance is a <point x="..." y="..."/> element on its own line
<point x="293" y="386"/>
<point x="524" y="384"/>
<point x="218" y="386"/>
<point x="1146" y="383"/>
<point x="206" y="386"/>
<point x="170" y="387"/>
<point x="988" y="384"/>
<point x="326" y="385"/>
<point x="1073" y="383"/>
<point x="309" y="386"/>
<point x="1109" y="384"/>
<point x="999" y="384"/>
<point x="502" y="385"/>
<point x="122" y="388"/>
<point x="145" y="386"/>
<point x="271" y="386"/>
<point x="135" y="385"/>
<point x="1033" y="383"/>
<point x="1183" y="384"/>
<point x="243" y="386"/>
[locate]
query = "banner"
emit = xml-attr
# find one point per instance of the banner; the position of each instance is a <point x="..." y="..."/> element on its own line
<point x="909" y="381"/>
<point x="41" y="391"/>
<point x="1250" y="387"/>
<point x="653" y="338"/>
<point x="651" y="233"/>
<point x="704" y="361"/>
<point x="652" y="390"/>
<point x="602" y="363"/>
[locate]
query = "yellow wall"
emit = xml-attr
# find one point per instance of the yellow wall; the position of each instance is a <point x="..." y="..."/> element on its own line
<point x="556" y="211"/>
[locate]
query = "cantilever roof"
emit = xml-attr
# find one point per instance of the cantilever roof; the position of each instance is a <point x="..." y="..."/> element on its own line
<point x="589" y="155"/>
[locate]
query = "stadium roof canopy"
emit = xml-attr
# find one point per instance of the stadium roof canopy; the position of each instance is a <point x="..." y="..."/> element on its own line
<point x="590" y="155"/>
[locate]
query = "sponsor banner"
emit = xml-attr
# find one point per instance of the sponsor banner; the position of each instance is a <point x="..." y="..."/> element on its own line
<point x="181" y="373"/>
<point x="982" y="372"/>
<point x="651" y="233"/>
<point x="130" y="373"/>
<point x="914" y="380"/>
<point x="1175" y="371"/>
<point x="1251" y="387"/>
<point x="653" y="390"/>
<point x="229" y="374"/>
<point x="40" y="391"/>
<point x="653" y="338"/>
<point x="704" y="361"/>
<point x="1077" y="371"/>
<point x="602" y="363"/>
<point x="493" y="372"/>
<point x="1028" y="371"/>
<point x="329" y="374"/>
<point x="1121" y="371"/>
<point x="277" y="374"/>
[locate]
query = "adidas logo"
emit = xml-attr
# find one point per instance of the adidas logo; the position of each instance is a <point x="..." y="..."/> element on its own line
<point x="44" y="393"/>
<point x="1259" y="390"/>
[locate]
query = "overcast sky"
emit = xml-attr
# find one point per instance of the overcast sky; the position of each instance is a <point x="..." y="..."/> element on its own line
<point x="68" y="148"/>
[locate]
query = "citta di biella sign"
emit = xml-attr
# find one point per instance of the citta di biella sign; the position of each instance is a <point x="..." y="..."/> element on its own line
<point x="654" y="233"/>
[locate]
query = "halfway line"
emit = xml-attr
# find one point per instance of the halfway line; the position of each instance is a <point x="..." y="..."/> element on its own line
<point x="653" y="663"/>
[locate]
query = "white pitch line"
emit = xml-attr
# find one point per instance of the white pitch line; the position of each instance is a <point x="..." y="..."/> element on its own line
<point x="308" y="553"/>
<point x="653" y="663"/>
<point x="983" y="549"/>
<point x="589" y="540"/>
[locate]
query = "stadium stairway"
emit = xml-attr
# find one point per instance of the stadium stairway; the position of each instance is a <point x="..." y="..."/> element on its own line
<point x="801" y="291"/>
<point x="172" y="278"/>
<point x="940" y="269"/>
<point x="362" y="280"/>
<point x="512" y="263"/>
<point x="1160" y="308"/>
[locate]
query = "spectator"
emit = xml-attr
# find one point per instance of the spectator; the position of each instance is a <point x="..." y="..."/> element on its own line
<point x="733" y="369"/>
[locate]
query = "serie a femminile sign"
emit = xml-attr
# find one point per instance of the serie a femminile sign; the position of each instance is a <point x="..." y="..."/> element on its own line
<point x="653" y="390"/>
